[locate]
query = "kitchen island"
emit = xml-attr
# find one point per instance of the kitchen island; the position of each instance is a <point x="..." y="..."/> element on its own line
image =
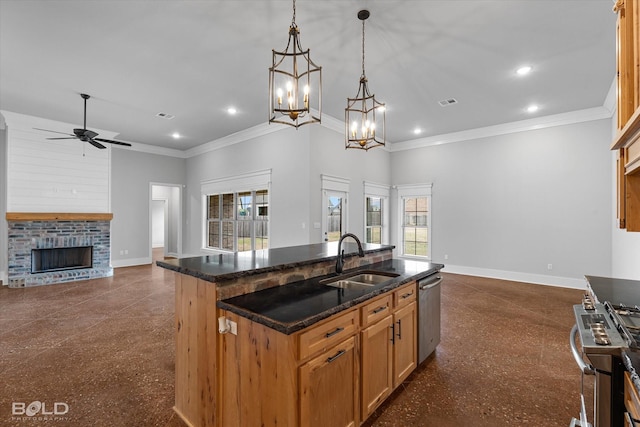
<point x="262" y="340"/>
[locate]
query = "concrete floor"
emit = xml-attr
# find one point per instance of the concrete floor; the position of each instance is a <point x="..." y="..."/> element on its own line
<point x="101" y="353"/>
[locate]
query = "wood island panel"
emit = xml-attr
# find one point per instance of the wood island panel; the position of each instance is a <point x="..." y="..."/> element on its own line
<point x="196" y="349"/>
<point x="257" y="377"/>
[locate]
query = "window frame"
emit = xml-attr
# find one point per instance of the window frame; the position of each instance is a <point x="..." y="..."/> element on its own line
<point x="408" y="192"/>
<point x="380" y="191"/>
<point x="253" y="183"/>
<point x="234" y="222"/>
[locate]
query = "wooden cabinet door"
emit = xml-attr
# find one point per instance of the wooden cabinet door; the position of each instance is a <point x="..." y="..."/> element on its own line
<point x="376" y="365"/>
<point x="405" y="349"/>
<point x="329" y="387"/>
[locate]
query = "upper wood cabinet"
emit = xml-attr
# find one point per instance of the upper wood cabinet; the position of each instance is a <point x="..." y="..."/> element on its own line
<point x="627" y="140"/>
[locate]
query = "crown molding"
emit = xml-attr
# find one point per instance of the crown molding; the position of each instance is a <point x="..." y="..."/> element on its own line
<point x="586" y="115"/>
<point x="151" y="149"/>
<point x="597" y="113"/>
<point x="27" y="123"/>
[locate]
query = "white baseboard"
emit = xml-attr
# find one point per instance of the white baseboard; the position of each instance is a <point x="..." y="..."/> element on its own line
<point x="539" y="279"/>
<point x="130" y="262"/>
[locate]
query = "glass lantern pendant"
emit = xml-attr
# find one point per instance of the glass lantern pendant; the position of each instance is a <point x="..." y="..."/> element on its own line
<point x="295" y="83"/>
<point x="364" y="115"/>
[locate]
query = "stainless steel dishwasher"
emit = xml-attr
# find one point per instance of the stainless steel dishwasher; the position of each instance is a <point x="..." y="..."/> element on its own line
<point x="428" y="315"/>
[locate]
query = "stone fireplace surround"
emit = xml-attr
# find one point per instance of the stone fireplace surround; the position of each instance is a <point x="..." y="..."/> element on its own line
<point x="27" y="231"/>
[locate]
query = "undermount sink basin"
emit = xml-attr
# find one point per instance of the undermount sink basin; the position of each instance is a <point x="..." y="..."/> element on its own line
<point x="361" y="279"/>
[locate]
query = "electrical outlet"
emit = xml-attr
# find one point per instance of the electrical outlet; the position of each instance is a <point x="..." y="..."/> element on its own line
<point x="549" y="266"/>
<point x="446" y="256"/>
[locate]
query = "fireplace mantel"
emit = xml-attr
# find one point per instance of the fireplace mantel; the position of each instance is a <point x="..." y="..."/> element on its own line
<point x="58" y="216"/>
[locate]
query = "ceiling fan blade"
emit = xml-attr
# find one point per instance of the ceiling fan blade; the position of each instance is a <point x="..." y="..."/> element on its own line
<point x="96" y="144"/>
<point x="126" y="144"/>
<point x="89" y="133"/>
<point x="54" y="131"/>
<point x="50" y="139"/>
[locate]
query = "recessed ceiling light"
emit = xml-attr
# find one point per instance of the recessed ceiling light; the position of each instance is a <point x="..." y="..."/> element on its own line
<point x="532" y="108"/>
<point x="417" y="131"/>
<point x="231" y="110"/>
<point x="523" y="71"/>
<point x="175" y="135"/>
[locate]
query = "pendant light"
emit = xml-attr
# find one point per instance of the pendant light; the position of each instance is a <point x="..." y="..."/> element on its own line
<point x="364" y="115"/>
<point x="295" y="83"/>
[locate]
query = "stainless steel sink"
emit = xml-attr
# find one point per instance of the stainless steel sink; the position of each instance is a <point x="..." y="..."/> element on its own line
<point x="361" y="279"/>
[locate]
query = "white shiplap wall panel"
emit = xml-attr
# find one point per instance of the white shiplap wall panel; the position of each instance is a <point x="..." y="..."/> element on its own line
<point x="54" y="176"/>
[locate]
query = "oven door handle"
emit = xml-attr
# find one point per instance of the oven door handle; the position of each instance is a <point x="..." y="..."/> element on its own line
<point x="584" y="367"/>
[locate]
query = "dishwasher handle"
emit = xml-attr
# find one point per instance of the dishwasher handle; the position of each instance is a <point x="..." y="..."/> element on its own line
<point x="584" y="367"/>
<point x="430" y="284"/>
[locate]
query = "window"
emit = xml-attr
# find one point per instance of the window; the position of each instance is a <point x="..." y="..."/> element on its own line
<point x="236" y="212"/>
<point x="376" y="205"/>
<point x="238" y="221"/>
<point x="415" y="205"/>
<point x="373" y="232"/>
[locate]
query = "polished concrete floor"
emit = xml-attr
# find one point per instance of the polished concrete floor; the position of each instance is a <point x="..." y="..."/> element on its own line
<point x="101" y="353"/>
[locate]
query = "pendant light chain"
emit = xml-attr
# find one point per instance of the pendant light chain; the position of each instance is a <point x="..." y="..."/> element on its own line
<point x="293" y="20"/>
<point x="363" y="48"/>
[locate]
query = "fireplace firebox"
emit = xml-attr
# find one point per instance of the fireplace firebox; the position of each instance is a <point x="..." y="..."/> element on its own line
<point x="59" y="259"/>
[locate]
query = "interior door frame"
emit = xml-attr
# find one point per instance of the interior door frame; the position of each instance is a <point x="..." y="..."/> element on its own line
<point x="178" y="220"/>
<point x="333" y="185"/>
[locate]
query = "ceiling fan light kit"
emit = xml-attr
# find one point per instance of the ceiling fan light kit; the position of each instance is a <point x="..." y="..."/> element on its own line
<point x="295" y="83"/>
<point x="86" y="135"/>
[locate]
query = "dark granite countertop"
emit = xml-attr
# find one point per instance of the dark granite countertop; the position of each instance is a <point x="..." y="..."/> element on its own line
<point x="616" y="291"/>
<point x="216" y="268"/>
<point x="289" y="308"/>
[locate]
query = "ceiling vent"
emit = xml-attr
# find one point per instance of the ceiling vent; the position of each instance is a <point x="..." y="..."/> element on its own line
<point x="447" y="102"/>
<point x="165" y="116"/>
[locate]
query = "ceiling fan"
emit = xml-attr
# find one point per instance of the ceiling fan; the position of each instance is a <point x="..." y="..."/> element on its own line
<point x="85" y="134"/>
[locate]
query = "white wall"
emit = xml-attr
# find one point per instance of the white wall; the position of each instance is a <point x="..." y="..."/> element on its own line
<point x="4" y="261"/>
<point x="296" y="158"/>
<point x="157" y="222"/>
<point x="53" y="176"/>
<point x="330" y="157"/>
<point x="286" y="153"/>
<point x="509" y="205"/>
<point x="503" y="206"/>
<point x="132" y="174"/>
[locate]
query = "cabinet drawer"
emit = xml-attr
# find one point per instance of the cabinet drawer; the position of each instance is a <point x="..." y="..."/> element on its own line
<point x="631" y="398"/>
<point x="320" y="337"/>
<point x="376" y="310"/>
<point x="405" y="295"/>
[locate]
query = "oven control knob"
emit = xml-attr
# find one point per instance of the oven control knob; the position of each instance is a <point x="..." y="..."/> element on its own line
<point x="599" y="334"/>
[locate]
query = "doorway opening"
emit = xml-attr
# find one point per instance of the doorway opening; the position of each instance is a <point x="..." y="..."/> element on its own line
<point x="165" y="221"/>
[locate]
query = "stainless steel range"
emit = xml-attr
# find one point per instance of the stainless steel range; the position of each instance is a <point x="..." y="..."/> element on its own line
<point x="608" y="325"/>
